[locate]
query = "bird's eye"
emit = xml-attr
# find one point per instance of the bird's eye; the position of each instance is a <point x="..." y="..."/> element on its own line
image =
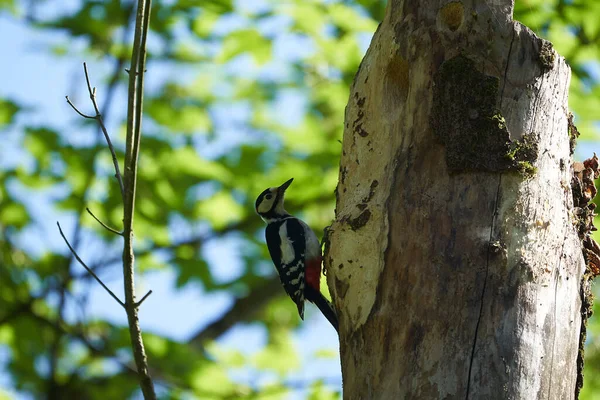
<point x="269" y="196"/>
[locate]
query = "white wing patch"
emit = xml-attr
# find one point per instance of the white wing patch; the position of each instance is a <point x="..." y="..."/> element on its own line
<point x="286" y="247"/>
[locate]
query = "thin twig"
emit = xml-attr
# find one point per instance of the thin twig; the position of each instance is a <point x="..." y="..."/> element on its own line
<point x="88" y="268"/>
<point x="77" y="110"/>
<point x="108" y="228"/>
<point x="139" y="303"/>
<point x="92" y="92"/>
<point x="98" y="117"/>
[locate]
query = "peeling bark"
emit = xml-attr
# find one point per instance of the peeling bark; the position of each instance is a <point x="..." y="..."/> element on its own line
<point x="454" y="259"/>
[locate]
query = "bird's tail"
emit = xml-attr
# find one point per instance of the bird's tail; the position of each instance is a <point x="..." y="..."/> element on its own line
<point x="324" y="305"/>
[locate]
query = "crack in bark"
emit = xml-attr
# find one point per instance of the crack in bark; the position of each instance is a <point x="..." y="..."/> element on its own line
<point x="512" y="40"/>
<point x="554" y="331"/>
<point x="487" y="268"/>
<point x="487" y="264"/>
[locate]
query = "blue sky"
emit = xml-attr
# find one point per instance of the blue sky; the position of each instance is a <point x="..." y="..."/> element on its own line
<point x="40" y="81"/>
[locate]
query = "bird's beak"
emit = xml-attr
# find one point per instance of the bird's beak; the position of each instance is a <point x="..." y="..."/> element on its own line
<point x="283" y="187"/>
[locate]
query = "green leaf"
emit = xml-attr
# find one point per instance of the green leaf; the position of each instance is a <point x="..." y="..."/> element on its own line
<point x="318" y="391"/>
<point x="212" y="378"/>
<point x="220" y="210"/>
<point x="203" y="25"/>
<point x="226" y="357"/>
<point x="157" y="345"/>
<point x="185" y="118"/>
<point x="245" y="41"/>
<point x="8" y="5"/>
<point x="326" y="353"/>
<point x="185" y="161"/>
<point x="347" y="18"/>
<point x="308" y="17"/>
<point x="7" y="334"/>
<point x="41" y="142"/>
<point x="14" y="214"/>
<point x="192" y="269"/>
<point x="8" y="109"/>
<point x="270" y="358"/>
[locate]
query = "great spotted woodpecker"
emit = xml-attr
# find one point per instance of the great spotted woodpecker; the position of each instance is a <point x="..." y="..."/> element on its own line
<point x="295" y="251"/>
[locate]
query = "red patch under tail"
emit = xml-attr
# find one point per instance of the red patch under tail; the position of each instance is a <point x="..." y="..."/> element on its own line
<point x="313" y="273"/>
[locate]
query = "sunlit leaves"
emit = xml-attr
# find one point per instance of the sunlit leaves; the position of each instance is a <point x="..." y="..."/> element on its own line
<point x="212" y="380"/>
<point x="225" y="356"/>
<point x="319" y="391"/>
<point x="270" y="358"/>
<point x="245" y="41"/>
<point x="188" y="369"/>
<point x="7" y="5"/>
<point x="192" y="268"/>
<point x="95" y="20"/>
<point x="308" y="16"/>
<point x="349" y="19"/>
<point x="203" y="24"/>
<point x="536" y="14"/>
<point x="186" y="160"/>
<point x="281" y="314"/>
<point x="585" y="12"/>
<point x="220" y="210"/>
<point x="41" y="142"/>
<point x="14" y="214"/>
<point x="8" y="109"/>
<point x="185" y="118"/>
<point x="591" y="385"/>
<point x="7" y="334"/>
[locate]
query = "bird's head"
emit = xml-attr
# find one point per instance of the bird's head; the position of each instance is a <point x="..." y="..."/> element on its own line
<point x="269" y="204"/>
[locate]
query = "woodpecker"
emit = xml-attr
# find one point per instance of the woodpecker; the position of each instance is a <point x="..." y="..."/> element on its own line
<point x="295" y="251"/>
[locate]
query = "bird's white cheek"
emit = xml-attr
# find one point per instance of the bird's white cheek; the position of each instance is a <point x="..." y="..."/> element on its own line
<point x="264" y="206"/>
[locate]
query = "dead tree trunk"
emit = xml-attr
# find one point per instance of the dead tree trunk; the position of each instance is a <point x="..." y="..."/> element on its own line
<point x="454" y="260"/>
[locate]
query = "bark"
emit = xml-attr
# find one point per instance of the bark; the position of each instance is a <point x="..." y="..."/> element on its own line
<point x="454" y="261"/>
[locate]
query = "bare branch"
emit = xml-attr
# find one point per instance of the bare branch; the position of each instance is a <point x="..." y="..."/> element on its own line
<point x="108" y="228"/>
<point x="98" y="118"/>
<point x="91" y="90"/>
<point x="139" y="303"/>
<point x="88" y="268"/>
<point x="77" y="110"/>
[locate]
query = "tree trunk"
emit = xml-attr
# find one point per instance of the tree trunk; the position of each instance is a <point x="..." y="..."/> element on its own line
<point x="454" y="261"/>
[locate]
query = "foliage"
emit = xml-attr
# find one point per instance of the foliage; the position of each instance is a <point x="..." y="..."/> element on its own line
<point x="241" y="95"/>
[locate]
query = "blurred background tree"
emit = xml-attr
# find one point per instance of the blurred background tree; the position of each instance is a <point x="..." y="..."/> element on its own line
<point x="241" y="95"/>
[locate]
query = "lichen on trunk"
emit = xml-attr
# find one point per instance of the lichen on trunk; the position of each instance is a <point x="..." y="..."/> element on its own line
<point x="466" y="118"/>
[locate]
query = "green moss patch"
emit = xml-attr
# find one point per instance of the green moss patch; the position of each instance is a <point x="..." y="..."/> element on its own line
<point x="466" y="119"/>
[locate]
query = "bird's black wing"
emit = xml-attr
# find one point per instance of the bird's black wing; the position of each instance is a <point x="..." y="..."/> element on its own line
<point x="274" y="243"/>
<point x="291" y="272"/>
